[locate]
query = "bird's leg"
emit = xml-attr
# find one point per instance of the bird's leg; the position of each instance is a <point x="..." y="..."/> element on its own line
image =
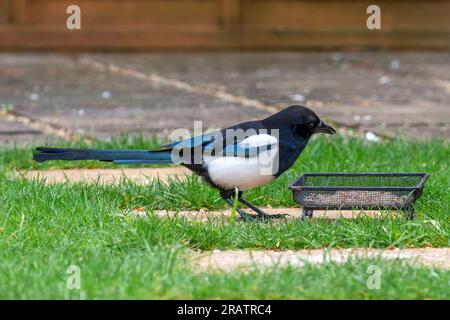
<point x="227" y="197"/>
<point x="241" y="212"/>
<point x="261" y="214"/>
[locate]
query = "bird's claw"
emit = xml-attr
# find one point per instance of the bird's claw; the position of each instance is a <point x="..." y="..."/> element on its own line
<point x="267" y="217"/>
<point x="245" y="216"/>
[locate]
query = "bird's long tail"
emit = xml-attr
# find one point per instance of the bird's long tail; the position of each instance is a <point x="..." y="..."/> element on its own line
<point x="116" y="156"/>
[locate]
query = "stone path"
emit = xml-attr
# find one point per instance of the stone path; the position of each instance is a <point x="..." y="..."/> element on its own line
<point x="231" y="260"/>
<point x="289" y="214"/>
<point x="138" y="175"/>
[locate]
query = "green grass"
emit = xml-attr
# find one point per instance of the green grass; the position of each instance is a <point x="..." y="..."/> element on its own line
<point x="55" y="209"/>
<point x="46" y="228"/>
<point x="161" y="273"/>
<point x="429" y="229"/>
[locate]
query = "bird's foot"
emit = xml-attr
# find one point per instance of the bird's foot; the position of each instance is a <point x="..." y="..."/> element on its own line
<point x="245" y="216"/>
<point x="262" y="216"/>
<point x="269" y="217"/>
<point x="242" y="213"/>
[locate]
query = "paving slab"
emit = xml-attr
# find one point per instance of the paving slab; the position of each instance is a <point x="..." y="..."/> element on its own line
<point x="286" y="214"/>
<point x="106" y="176"/>
<point x="245" y="260"/>
<point x="58" y="89"/>
<point x="387" y="91"/>
<point x="276" y="78"/>
<point x="406" y="92"/>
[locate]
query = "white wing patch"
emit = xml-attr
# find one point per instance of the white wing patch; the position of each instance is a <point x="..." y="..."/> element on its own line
<point x="246" y="173"/>
<point x="258" y="140"/>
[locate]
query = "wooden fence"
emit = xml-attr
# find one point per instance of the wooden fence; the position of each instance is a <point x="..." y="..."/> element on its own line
<point x="223" y="24"/>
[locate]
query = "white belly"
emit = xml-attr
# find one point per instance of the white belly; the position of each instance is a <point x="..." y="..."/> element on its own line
<point x="242" y="173"/>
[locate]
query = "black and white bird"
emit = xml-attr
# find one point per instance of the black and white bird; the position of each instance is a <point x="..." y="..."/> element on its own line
<point x="242" y="157"/>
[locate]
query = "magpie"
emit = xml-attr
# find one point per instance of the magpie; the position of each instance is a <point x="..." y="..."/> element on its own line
<point x="235" y="159"/>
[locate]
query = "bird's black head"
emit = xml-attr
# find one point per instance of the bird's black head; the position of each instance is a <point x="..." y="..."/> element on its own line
<point x="302" y="121"/>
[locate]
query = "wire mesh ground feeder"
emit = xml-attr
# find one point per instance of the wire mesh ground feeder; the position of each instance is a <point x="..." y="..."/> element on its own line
<point x="363" y="191"/>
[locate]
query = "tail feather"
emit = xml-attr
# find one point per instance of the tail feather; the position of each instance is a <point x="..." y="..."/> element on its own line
<point x="143" y="161"/>
<point x="116" y="156"/>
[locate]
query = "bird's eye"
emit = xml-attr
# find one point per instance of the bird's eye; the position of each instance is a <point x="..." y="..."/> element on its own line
<point x="311" y="125"/>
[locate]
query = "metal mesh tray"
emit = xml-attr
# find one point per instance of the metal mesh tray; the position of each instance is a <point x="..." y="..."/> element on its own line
<point x="346" y="191"/>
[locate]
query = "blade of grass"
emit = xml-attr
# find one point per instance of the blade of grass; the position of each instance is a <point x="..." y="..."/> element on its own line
<point x="235" y="203"/>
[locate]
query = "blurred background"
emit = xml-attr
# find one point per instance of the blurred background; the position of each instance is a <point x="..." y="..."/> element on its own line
<point x="149" y="66"/>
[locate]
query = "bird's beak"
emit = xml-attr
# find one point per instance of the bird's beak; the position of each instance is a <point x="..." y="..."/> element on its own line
<point x="324" y="128"/>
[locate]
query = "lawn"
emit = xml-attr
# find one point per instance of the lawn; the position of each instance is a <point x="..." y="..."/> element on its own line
<point x="46" y="228"/>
